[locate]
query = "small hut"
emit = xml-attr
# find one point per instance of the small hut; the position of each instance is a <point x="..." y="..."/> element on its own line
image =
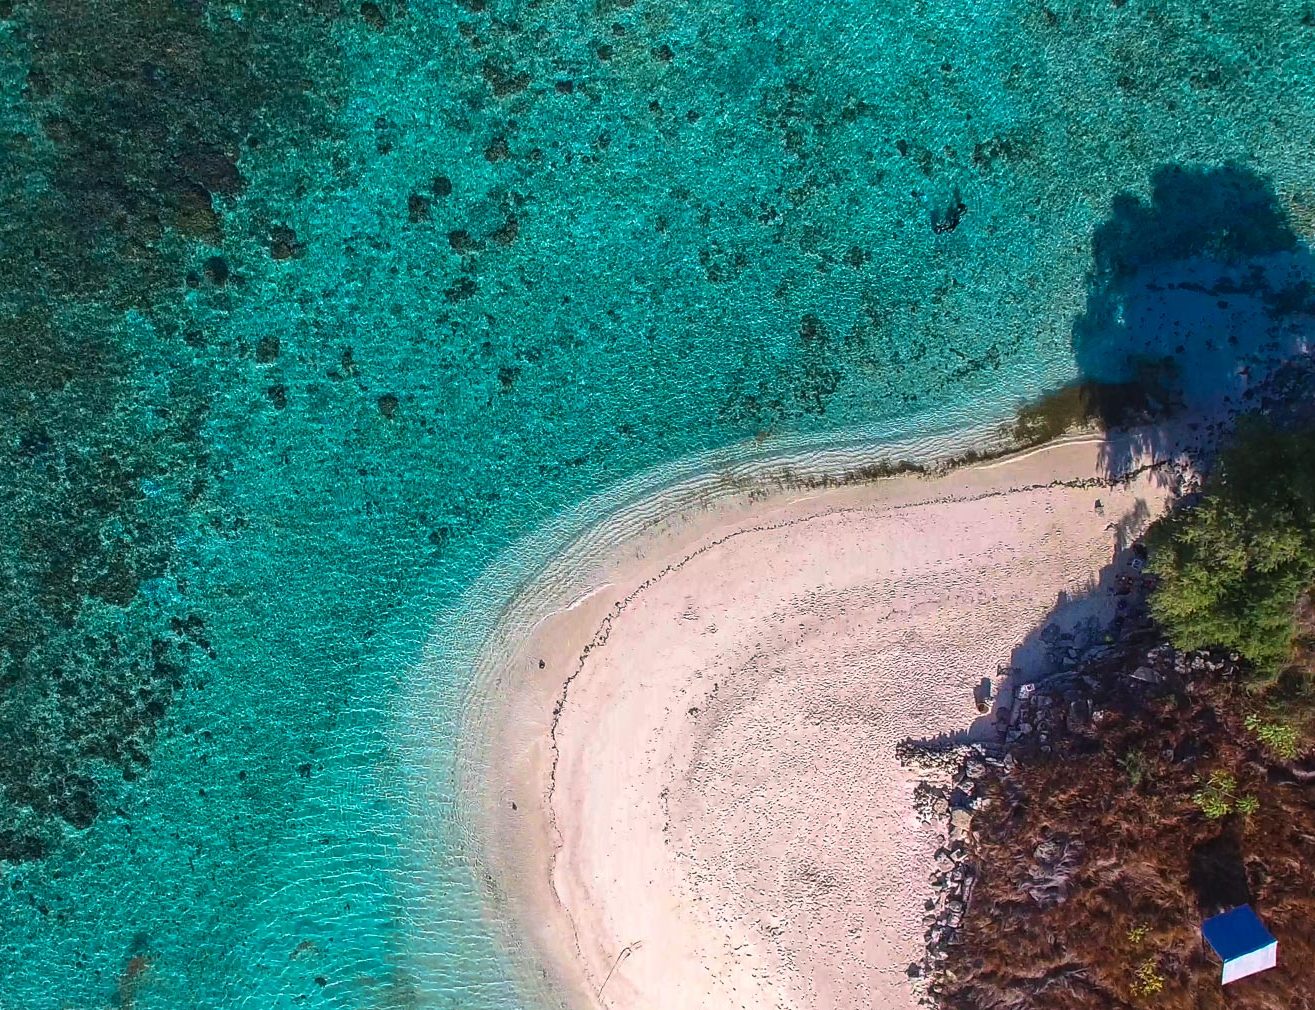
<point x="1242" y="943"/>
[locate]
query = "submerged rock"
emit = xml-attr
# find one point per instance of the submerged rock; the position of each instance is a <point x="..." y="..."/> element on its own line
<point x="283" y="243"/>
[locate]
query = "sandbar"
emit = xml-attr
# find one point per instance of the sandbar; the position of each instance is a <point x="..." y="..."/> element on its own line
<point x="689" y="791"/>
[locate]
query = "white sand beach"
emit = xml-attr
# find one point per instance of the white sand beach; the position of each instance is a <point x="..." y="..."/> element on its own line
<point x="693" y="794"/>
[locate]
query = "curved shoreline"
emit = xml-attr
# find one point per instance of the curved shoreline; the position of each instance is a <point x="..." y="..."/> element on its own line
<point x="511" y="748"/>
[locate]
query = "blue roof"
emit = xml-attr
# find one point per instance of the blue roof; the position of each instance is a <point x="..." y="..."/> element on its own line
<point x="1236" y="933"/>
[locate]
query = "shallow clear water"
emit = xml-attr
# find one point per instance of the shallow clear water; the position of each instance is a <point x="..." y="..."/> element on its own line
<point x="459" y="295"/>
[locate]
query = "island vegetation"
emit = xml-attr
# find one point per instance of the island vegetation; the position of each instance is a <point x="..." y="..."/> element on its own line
<point x="1237" y="566"/>
<point x="1167" y="777"/>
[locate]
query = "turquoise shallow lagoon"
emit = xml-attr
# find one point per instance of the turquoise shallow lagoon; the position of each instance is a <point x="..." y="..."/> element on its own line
<point x="309" y="313"/>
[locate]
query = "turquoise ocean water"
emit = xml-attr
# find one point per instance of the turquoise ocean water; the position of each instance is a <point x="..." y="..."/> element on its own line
<point x="311" y="312"/>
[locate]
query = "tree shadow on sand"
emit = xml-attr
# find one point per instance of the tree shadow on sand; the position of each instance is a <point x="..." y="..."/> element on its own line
<point x="1200" y="307"/>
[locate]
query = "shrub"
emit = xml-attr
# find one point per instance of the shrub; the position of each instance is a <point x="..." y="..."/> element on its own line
<point x="1146" y="979"/>
<point x="1215" y="798"/>
<point x="1133" y="764"/>
<point x="1279" y="738"/>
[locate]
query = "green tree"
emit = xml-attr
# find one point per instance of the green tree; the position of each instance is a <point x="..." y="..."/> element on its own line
<point x="1233" y="567"/>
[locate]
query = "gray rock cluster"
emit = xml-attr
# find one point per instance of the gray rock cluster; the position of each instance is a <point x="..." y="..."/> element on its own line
<point x="961" y="768"/>
<point x="1040" y="711"/>
<point x="1029" y="717"/>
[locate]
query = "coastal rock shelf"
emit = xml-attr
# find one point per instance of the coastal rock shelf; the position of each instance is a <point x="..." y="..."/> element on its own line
<point x="1029" y="719"/>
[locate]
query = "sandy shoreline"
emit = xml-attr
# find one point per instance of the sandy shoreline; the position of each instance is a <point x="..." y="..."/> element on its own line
<point x="689" y="791"/>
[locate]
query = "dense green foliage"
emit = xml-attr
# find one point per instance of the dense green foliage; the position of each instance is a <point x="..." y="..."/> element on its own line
<point x="1234" y="566"/>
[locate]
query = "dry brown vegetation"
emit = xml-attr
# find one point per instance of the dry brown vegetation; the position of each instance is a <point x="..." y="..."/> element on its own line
<point x="1098" y="863"/>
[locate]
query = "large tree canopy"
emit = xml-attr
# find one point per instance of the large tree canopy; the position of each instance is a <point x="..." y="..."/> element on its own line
<point x="1234" y="566"/>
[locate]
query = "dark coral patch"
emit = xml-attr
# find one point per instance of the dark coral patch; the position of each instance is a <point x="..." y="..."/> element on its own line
<point x="373" y="15"/>
<point x="503" y="81"/>
<point x="267" y="349"/>
<point x="507" y="232"/>
<point x="216" y="270"/>
<point x="462" y="289"/>
<point x="417" y="208"/>
<point x="284" y="244"/>
<point x="188" y="91"/>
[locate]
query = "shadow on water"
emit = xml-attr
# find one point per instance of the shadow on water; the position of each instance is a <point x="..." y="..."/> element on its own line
<point x="1200" y="305"/>
<point x="1195" y="297"/>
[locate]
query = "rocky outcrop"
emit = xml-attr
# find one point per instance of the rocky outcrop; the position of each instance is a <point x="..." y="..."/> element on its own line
<point x="958" y="767"/>
<point x="1031" y="720"/>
